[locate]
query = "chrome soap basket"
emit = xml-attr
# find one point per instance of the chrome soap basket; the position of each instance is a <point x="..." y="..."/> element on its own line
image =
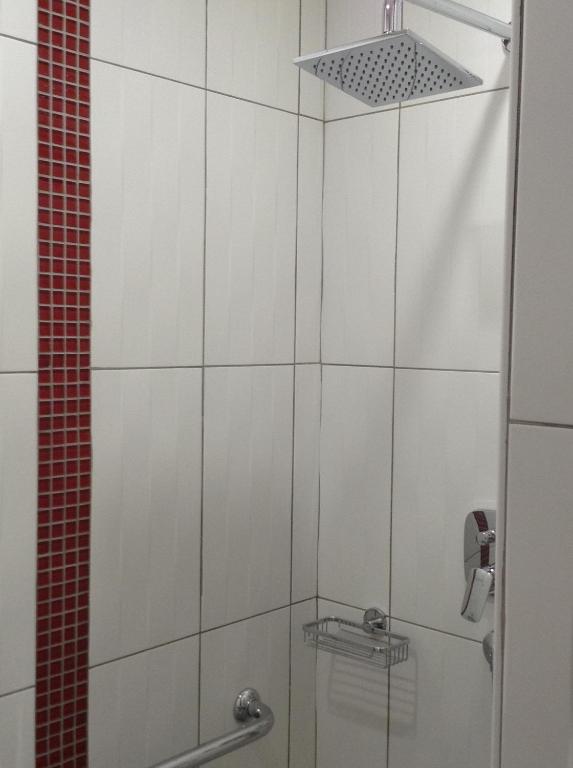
<point x="369" y="641"/>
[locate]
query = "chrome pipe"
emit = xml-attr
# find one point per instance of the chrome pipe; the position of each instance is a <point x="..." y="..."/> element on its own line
<point x="257" y="720"/>
<point x="468" y="16"/>
<point x="392" y="15"/>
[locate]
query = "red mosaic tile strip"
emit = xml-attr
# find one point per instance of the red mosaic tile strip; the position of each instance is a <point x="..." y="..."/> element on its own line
<point x="64" y="431"/>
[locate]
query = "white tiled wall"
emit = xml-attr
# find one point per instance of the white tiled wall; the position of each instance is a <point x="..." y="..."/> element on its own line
<point x="312" y="38"/>
<point x="537" y="683"/>
<point x="264" y="38"/>
<point x="309" y="241"/>
<point x="207" y="251"/>
<point x="355" y="475"/>
<point x="247" y="492"/>
<point x="148" y="160"/>
<point x="536" y="725"/>
<point x="451" y="233"/>
<point x="18" y="200"/>
<point x="18" y="18"/>
<point x="17" y="729"/>
<point x="146" y="515"/>
<point x="414" y="222"/>
<point x="144" y="707"/>
<point x="360" y="240"/>
<point x="445" y="466"/>
<point x="306" y="481"/>
<point x="18" y="530"/>
<point x="251" y="233"/>
<point x="303" y="689"/>
<point x="542" y="363"/>
<point x="18" y="381"/>
<point x="440" y="702"/>
<point x="256" y="653"/>
<point x="166" y="38"/>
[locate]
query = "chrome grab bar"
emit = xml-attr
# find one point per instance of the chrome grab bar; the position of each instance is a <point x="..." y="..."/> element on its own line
<point x="257" y="720"/>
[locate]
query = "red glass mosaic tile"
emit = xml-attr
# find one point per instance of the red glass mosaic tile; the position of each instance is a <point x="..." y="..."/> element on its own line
<point x="64" y="420"/>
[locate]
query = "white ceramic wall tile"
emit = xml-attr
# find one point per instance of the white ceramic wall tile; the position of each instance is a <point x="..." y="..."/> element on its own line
<point x="477" y="51"/>
<point x="143" y="709"/>
<point x="305" y="482"/>
<point x="250" y="654"/>
<point x="18" y="447"/>
<point x="17" y="730"/>
<point x="542" y="366"/>
<point x="440" y="703"/>
<point x="148" y="156"/>
<point x="451" y="233"/>
<point x="355" y="461"/>
<point x="446" y="456"/>
<point x="538" y="660"/>
<point x="303" y="684"/>
<point x="312" y="39"/>
<point x="19" y="18"/>
<point x="247" y="492"/>
<point x="18" y="202"/>
<point x="309" y="233"/>
<point x="251" y="45"/>
<point x="166" y="38"/>
<point x="360" y="240"/>
<point x="347" y="22"/>
<point x="251" y="232"/>
<point x="352" y="705"/>
<point x="146" y="509"/>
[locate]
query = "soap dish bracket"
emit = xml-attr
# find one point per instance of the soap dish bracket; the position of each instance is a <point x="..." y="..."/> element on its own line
<point x="369" y="641"/>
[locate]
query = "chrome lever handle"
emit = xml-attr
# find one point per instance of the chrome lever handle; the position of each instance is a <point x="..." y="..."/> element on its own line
<point x="484" y="538"/>
<point x="480" y="585"/>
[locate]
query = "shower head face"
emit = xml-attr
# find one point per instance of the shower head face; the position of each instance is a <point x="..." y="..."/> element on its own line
<point x="397" y="66"/>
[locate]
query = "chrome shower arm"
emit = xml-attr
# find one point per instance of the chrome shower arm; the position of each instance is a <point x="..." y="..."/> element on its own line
<point x="392" y="15"/>
<point x="451" y="9"/>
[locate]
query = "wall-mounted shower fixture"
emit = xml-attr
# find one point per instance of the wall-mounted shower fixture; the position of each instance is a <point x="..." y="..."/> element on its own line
<point x="399" y="65"/>
<point x="479" y="562"/>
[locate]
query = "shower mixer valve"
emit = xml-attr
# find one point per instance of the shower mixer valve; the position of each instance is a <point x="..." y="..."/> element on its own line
<point x="479" y="563"/>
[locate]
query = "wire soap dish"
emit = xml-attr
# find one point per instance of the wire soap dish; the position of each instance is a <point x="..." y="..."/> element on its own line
<point x="369" y="641"/>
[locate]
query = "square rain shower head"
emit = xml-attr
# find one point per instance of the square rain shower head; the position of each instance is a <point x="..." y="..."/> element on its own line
<point x="397" y="66"/>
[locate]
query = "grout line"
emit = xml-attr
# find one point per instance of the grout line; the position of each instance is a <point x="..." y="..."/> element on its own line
<point x="107" y="62"/>
<point x="144" y="650"/>
<point x="406" y="105"/>
<point x="393" y="420"/>
<point x="18" y="373"/>
<point x="17" y="690"/>
<point x="439" y="631"/>
<point x="404" y="621"/>
<point x="189" y="637"/>
<point x="458" y="96"/>
<point x="410" y="368"/>
<point x="546" y="424"/>
<point x="256" y="615"/>
<point x="187" y="367"/>
<point x="446" y="370"/>
<point x="18" y="40"/>
<point x="320" y="356"/>
<point x="201" y="524"/>
<point x="315" y="691"/>
<point x="294" y="379"/>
